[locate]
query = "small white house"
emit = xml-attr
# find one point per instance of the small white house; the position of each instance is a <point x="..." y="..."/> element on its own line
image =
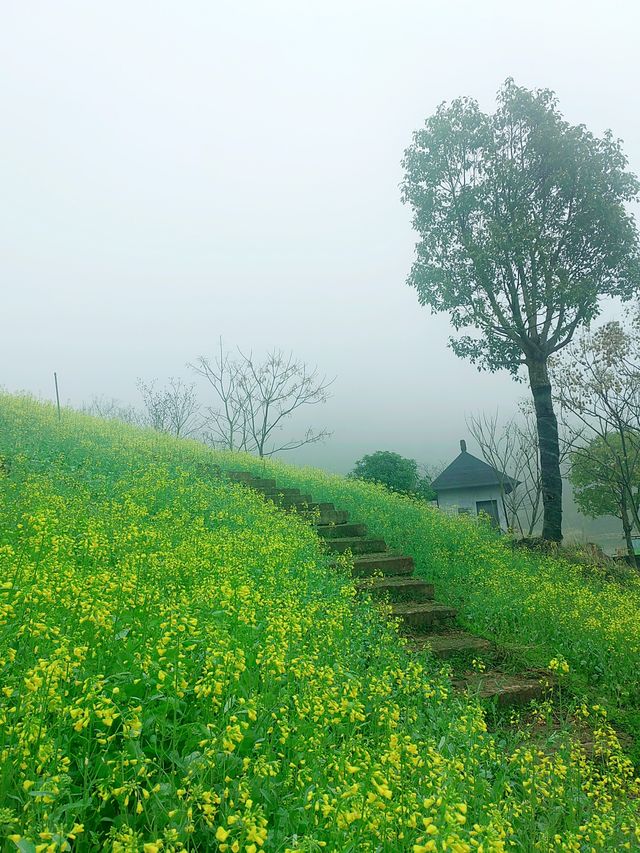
<point x="471" y="486"/>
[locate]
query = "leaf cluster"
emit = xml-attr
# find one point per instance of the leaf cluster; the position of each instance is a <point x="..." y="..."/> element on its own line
<point x="397" y="472"/>
<point x="523" y="224"/>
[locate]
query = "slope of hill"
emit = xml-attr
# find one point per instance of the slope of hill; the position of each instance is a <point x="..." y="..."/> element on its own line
<point x="182" y="668"/>
<point x="542" y="607"/>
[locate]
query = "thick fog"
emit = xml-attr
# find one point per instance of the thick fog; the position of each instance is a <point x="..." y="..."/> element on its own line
<point x="173" y="172"/>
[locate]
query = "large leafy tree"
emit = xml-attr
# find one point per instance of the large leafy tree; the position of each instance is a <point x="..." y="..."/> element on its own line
<point x="523" y="225"/>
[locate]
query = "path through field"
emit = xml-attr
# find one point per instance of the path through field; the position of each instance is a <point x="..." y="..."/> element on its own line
<point x="389" y="575"/>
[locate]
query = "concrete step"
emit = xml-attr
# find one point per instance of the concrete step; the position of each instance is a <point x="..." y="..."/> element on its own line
<point x="333" y="517"/>
<point x="302" y="502"/>
<point x="504" y="689"/>
<point x="451" y="644"/>
<point x="323" y="513"/>
<point x="423" y="616"/>
<point x="239" y="476"/>
<point x="262" y="483"/>
<point x="249" y="479"/>
<point x="385" y="564"/>
<point x="338" y="531"/>
<point x="357" y="545"/>
<point x="397" y="588"/>
<point x="285" y="493"/>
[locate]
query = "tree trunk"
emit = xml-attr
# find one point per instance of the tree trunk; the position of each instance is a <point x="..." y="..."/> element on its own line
<point x="629" y="466"/>
<point x="547" y="428"/>
<point x="626" y="526"/>
<point x="634" y="503"/>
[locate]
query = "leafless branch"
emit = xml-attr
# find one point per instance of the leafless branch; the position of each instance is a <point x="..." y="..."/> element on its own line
<point x="256" y="398"/>
<point x="512" y="449"/>
<point x="111" y="409"/>
<point x="173" y="409"/>
<point x="598" y="389"/>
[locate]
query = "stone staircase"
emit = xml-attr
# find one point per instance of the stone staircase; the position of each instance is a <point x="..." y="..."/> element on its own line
<point x="384" y="573"/>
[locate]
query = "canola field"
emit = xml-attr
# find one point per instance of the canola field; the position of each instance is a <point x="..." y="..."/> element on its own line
<point x="181" y="669"/>
<point x="542" y="608"/>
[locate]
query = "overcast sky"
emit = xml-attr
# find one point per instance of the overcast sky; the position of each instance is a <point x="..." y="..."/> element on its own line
<point x="173" y="172"/>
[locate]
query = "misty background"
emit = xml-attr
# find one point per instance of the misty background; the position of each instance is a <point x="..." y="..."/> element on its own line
<point x="173" y="172"/>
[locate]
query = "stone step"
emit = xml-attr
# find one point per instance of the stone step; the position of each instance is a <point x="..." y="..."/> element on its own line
<point x="262" y="483"/>
<point x="423" y="616"/>
<point x="240" y="476"/>
<point x="385" y="564"/>
<point x="301" y="502"/>
<point x="249" y="479"/>
<point x="397" y="588"/>
<point x="338" y="531"/>
<point x="274" y="493"/>
<point x="504" y="689"/>
<point x="450" y="644"/>
<point x="357" y="545"/>
<point x="333" y="517"/>
<point x="323" y="513"/>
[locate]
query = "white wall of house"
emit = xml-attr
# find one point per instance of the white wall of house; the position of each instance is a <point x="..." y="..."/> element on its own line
<point x="467" y="499"/>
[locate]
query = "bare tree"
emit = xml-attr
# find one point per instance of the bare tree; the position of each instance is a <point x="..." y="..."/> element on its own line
<point x="599" y="396"/>
<point x="274" y="390"/>
<point x="508" y="450"/>
<point x="111" y="409"/>
<point x="172" y="409"/>
<point x="225" y="426"/>
<point x="428" y="471"/>
<point x="256" y="399"/>
<point x="512" y="449"/>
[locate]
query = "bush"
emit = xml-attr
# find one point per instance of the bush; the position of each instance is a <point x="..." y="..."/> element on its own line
<point x="394" y="471"/>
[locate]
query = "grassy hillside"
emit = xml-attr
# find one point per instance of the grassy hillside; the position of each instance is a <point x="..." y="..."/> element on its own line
<point x="181" y="669"/>
<point x="541" y="607"/>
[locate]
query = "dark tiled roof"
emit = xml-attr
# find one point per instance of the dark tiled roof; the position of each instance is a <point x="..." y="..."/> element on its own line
<point x="467" y="471"/>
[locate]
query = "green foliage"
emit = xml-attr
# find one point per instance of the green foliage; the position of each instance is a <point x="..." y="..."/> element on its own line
<point x="596" y="481"/>
<point x="425" y="490"/>
<point x="394" y="471"/>
<point x="605" y="474"/>
<point x="391" y="469"/>
<point x="523" y="223"/>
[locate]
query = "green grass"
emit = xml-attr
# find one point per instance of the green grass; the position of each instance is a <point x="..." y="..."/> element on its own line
<point x="537" y="607"/>
<point x="182" y="669"/>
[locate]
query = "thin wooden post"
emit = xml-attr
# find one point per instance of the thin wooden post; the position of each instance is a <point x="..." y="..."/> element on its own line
<point x="55" y="379"/>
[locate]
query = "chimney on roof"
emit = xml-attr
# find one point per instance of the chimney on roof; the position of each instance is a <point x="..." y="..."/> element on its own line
<point x="463" y="445"/>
